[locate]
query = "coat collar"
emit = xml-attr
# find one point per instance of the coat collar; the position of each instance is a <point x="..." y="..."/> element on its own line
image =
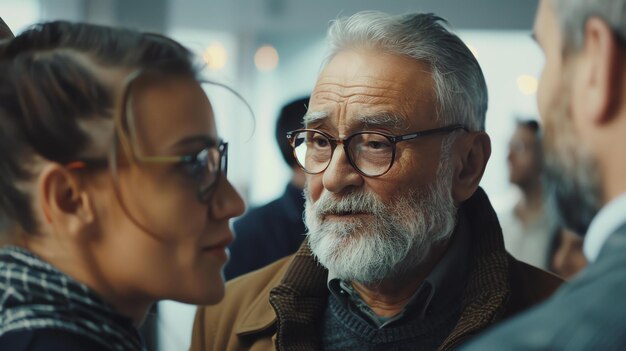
<point x="260" y="316"/>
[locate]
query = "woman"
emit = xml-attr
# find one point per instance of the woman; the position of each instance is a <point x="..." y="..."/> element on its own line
<point x="113" y="183"/>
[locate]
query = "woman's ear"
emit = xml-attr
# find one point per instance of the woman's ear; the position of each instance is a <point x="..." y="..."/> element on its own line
<point x="471" y="152"/>
<point x="66" y="205"/>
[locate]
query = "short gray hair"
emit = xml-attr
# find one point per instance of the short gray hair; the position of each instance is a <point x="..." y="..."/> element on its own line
<point x="573" y="14"/>
<point x="459" y="82"/>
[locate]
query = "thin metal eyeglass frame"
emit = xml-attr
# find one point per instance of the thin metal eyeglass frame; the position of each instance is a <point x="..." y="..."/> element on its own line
<point x="127" y="145"/>
<point x="393" y="139"/>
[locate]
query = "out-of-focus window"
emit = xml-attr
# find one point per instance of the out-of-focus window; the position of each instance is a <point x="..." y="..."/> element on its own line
<point x="18" y="15"/>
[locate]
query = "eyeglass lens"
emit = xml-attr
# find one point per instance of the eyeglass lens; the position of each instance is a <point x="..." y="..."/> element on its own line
<point x="370" y="153"/>
<point x="210" y="163"/>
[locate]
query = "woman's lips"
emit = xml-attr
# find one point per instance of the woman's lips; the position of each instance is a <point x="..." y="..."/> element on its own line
<point x="219" y="249"/>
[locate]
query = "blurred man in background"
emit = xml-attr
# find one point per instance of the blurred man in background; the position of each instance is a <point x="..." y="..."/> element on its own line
<point x="582" y="102"/>
<point x="527" y="227"/>
<point x="275" y="230"/>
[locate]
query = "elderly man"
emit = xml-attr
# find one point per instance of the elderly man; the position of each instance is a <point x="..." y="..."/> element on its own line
<point x="403" y="250"/>
<point x="583" y="106"/>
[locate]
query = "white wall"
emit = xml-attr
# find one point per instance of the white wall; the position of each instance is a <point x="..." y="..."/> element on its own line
<point x="18" y="15"/>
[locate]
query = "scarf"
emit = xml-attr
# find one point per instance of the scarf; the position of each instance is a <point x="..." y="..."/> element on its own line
<point x="35" y="295"/>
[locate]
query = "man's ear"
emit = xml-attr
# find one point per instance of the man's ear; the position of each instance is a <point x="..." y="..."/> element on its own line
<point x="471" y="152"/>
<point x="598" y="73"/>
<point x="65" y="203"/>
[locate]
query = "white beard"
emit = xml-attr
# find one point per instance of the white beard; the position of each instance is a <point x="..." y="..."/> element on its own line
<point x="387" y="241"/>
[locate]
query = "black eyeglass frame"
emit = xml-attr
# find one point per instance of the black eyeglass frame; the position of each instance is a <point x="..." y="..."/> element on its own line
<point x="393" y="139"/>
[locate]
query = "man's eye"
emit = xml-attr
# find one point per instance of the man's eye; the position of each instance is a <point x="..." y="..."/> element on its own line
<point x="377" y="145"/>
<point x="319" y="142"/>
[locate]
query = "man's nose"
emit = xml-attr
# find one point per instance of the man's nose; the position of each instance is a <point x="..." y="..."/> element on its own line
<point x="340" y="175"/>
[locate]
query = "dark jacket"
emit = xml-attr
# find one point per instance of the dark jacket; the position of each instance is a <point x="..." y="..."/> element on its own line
<point x="587" y="313"/>
<point x="267" y="233"/>
<point x="282" y="306"/>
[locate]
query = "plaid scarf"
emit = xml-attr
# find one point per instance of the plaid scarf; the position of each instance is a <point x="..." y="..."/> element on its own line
<point x="35" y="295"/>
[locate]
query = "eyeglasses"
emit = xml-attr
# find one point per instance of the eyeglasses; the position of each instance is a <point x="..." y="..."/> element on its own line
<point x="205" y="166"/>
<point x="370" y="153"/>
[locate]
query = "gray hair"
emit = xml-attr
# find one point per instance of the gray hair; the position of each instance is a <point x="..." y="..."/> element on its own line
<point x="573" y="14"/>
<point x="459" y="82"/>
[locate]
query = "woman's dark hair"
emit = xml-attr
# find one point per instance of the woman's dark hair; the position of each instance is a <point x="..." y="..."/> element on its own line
<point x="47" y="91"/>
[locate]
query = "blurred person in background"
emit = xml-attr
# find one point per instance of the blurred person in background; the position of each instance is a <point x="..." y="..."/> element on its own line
<point x="404" y="250"/>
<point x="567" y="257"/>
<point x="114" y="182"/>
<point x="274" y="230"/>
<point x="528" y="229"/>
<point x="582" y="103"/>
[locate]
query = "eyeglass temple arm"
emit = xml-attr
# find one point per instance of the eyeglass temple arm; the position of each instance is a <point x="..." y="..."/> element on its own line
<point x="429" y="132"/>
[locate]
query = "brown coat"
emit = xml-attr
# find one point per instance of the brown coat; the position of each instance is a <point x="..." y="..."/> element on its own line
<point x="281" y="306"/>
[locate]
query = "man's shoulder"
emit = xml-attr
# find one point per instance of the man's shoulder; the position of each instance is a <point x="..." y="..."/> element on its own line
<point x="584" y="314"/>
<point x="261" y="279"/>
<point x="245" y="309"/>
<point x="531" y="285"/>
<point x="241" y="291"/>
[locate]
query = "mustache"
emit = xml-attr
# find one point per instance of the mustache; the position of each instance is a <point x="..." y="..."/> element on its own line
<point x="356" y="202"/>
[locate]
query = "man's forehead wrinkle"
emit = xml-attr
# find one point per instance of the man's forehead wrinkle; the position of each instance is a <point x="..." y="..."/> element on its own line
<point x="360" y="83"/>
<point x="364" y="96"/>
